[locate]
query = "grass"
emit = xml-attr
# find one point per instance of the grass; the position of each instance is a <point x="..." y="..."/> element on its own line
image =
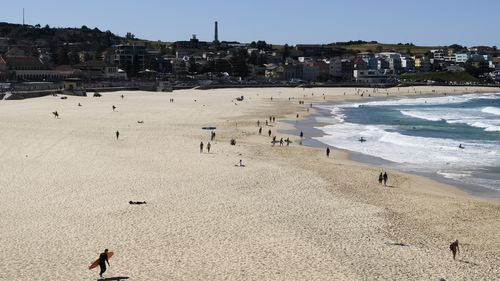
<point x="390" y="48"/>
<point x="440" y="76"/>
<point x="415" y="50"/>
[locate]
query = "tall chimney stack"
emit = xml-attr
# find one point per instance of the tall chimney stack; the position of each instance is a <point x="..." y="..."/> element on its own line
<point x="216" y="33"/>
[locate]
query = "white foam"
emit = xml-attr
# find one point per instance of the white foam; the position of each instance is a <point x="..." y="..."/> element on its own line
<point x="411" y="150"/>
<point x="488" y="127"/>
<point x="425" y="101"/>
<point x="491" y="110"/>
<point x="472" y="117"/>
<point x="421" y="115"/>
<point x="417" y="153"/>
<point x="454" y="176"/>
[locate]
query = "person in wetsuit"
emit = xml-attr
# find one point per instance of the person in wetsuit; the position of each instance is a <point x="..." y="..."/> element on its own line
<point x="454" y="248"/>
<point x="103" y="259"/>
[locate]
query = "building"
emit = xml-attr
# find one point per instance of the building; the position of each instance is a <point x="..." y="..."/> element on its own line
<point x="23" y="68"/>
<point x="84" y="56"/>
<point x="341" y="68"/>
<point x="395" y="64"/>
<point x="4" y="69"/>
<point x="193" y="43"/>
<point x="310" y="71"/>
<point x="114" y="73"/>
<point x="482" y="50"/>
<point x="324" y="70"/>
<point x="407" y="64"/>
<point x="336" y="68"/>
<point x="496" y="62"/>
<point x="347" y="69"/>
<point x="439" y="54"/>
<point x="371" y="76"/>
<point x="130" y="58"/>
<point x="462" y="57"/>
<point x="382" y="63"/>
<point x="284" y="72"/>
<point x="423" y="64"/>
<point x="360" y="64"/>
<point x="92" y="69"/>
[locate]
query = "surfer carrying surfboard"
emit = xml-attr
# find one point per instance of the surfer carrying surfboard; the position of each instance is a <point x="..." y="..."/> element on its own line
<point x="103" y="259"/>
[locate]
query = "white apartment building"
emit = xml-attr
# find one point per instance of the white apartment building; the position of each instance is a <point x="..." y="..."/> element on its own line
<point x="462" y="57"/>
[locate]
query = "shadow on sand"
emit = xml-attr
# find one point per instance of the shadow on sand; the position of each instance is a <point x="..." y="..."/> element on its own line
<point x="113" y="278"/>
<point x="467" y="262"/>
<point x="397" y="244"/>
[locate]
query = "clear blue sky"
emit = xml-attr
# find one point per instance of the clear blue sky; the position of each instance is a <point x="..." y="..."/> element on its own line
<point x="423" y="22"/>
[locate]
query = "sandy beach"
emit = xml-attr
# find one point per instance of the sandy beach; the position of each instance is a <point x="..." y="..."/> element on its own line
<point x="290" y="214"/>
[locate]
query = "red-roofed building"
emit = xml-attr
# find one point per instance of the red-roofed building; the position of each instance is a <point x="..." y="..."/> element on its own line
<point x="24" y="68"/>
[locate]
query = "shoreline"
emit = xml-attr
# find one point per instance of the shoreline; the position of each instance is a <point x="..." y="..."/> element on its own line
<point x="309" y="125"/>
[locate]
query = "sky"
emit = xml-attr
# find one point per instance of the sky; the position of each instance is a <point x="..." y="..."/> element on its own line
<point x="422" y="22"/>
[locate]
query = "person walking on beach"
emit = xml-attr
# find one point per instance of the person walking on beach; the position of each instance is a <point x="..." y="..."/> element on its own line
<point x="117" y="134"/>
<point x="380" y="178"/>
<point x="327" y="152"/>
<point x="287" y="141"/>
<point x="267" y="124"/>
<point x="269" y="133"/>
<point x="56" y="114"/>
<point x="212" y="137"/>
<point x="114" y="107"/>
<point x="281" y="142"/>
<point x="258" y="123"/>
<point x="122" y="96"/>
<point x="201" y="147"/>
<point x="103" y="259"/>
<point x="385" y="178"/>
<point x="208" y="147"/>
<point x="260" y="131"/>
<point x="301" y="134"/>
<point x="454" y="248"/>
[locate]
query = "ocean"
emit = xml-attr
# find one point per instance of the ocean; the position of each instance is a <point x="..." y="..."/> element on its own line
<point x="455" y="139"/>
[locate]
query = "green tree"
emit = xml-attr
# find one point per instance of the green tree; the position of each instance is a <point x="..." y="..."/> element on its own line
<point x="286" y="53"/>
<point x="130" y="36"/>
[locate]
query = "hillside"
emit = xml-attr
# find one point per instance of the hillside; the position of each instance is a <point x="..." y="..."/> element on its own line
<point x="52" y="38"/>
<point x="381" y="47"/>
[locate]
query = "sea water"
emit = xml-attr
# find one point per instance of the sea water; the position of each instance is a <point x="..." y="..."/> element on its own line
<point x="425" y="135"/>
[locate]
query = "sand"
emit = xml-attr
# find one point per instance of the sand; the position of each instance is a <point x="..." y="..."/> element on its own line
<point x="290" y="214"/>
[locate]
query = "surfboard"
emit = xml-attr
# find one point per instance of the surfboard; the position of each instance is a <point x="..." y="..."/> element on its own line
<point x="96" y="262"/>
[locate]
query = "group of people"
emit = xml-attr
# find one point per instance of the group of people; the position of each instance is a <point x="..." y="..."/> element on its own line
<point x="383" y="178"/>
<point x="208" y="147"/>
<point x="281" y="141"/>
